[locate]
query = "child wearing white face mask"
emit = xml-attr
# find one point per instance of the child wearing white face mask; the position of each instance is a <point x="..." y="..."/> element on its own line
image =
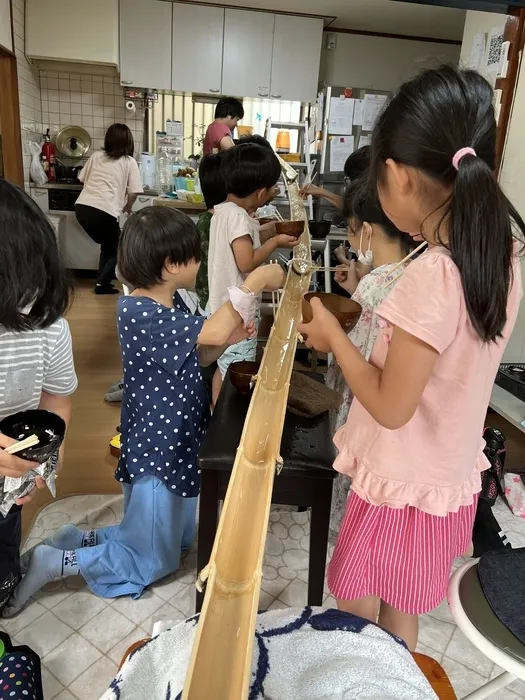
<point x="368" y="281"/>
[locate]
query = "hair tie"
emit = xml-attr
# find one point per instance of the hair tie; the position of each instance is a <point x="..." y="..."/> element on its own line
<point x="460" y="154"/>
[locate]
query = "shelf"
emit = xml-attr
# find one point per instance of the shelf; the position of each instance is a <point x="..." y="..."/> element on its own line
<point x="287" y="125"/>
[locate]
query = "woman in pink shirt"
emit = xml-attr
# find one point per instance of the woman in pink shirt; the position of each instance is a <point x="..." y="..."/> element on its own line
<point x="412" y="442"/>
<point x="218" y="137"/>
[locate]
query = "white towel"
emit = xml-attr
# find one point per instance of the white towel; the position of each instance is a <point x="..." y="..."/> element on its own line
<point x="307" y="653"/>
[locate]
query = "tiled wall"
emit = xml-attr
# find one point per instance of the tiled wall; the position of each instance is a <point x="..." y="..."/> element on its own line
<point x="91" y="101"/>
<point x="28" y="87"/>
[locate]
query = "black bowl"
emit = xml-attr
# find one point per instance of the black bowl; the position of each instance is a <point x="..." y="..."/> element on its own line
<point x="47" y="426"/>
<point x="319" y="229"/>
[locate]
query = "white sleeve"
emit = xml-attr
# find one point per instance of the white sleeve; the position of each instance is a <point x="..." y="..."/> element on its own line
<point x="60" y="378"/>
<point x="134" y="182"/>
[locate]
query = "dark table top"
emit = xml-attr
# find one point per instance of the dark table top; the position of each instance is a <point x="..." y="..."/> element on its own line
<point x="306" y="446"/>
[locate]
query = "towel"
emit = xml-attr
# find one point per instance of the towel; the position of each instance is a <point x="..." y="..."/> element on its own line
<point x="309" y="398"/>
<point x="298" y="653"/>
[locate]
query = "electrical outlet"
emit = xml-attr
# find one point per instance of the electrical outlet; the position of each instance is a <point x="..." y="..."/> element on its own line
<point x="331" y="42"/>
<point x="25" y="148"/>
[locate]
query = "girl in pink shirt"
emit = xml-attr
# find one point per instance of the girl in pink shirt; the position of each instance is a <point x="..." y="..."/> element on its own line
<point x="412" y="442"/>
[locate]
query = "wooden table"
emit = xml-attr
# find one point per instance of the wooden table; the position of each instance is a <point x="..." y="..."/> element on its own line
<point x="306" y="479"/>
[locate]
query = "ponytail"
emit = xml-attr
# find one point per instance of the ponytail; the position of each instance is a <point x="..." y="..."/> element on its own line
<point x="481" y="244"/>
<point x="442" y="124"/>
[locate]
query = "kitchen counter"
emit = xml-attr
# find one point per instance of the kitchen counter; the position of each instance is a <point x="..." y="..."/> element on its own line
<point x="178" y="204"/>
<point x="56" y="186"/>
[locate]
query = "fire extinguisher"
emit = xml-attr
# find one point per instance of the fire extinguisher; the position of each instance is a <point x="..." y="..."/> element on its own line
<point x="48" y="157"/>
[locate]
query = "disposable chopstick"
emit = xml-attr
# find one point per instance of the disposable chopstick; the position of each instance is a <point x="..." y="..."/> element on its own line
<point x="408" y="257"/>
<point x="30" y="441"/>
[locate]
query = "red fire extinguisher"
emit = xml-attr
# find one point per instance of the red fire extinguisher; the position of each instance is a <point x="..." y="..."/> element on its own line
<point x="48" y="157"/>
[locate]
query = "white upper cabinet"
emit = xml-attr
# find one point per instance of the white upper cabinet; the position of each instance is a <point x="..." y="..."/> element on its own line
<point x="247" y="57"/>
<point x="145" y="44"/>
<point x="197" y="48"/>
<point x="71" y="30"/>
<point x="6" y="39"/>
<point x="296" y="58"/>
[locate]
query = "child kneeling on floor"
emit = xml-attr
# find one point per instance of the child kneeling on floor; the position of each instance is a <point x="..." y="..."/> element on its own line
<point x="164" y="414"/>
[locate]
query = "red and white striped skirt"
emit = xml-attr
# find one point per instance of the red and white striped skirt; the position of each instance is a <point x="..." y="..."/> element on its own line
<point x="403" y="556"/>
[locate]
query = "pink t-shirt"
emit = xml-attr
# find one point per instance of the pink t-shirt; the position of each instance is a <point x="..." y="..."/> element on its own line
<point x="434" y="461"/>
<point x="214" y="135"/>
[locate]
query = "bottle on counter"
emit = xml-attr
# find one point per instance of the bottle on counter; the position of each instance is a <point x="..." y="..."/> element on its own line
<point x="164" y="172"/>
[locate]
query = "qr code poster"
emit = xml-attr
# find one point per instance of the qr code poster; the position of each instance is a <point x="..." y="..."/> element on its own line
<point x="494" y="47"/>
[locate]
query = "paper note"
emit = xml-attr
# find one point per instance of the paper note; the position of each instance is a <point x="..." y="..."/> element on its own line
<point x="364" y="140"/>
<point x="320" y="112"/>
<point x="358" y="112"/>
<point x="495" y="43"/>
<point x="477" y="52"/>
<point x="341" y="115"/>
<point x="372" y="109"/>
<point x="340" y="148"/>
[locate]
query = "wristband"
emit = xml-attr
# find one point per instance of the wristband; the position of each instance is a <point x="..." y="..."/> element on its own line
<point x="245" y="303"/>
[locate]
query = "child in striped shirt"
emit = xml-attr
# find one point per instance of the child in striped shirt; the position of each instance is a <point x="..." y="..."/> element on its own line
<point x="36" y="359"/>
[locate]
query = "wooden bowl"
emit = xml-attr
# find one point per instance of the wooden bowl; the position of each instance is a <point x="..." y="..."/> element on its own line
<point x="241" y="375"/>
<point x="289" y="228"/>
<point x="346" y="311"/>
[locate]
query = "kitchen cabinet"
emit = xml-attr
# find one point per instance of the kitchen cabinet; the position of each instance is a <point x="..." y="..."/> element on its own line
<point x="70" y="30"/>
<point x="247" y="56"/>
<point x="197" y="48"/>
<point x="40" y="196"/>
<point x="6" y="39"/>
<point x="145" y="44"/>
<point x="296" y="58"/>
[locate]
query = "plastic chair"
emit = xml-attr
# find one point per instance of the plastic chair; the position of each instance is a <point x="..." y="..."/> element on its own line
<point x="475" y="618"/>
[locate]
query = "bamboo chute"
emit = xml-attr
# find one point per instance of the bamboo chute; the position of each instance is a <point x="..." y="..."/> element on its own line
<point x="220" y="665"/>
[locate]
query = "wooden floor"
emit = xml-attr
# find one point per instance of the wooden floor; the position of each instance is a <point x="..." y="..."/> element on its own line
<point x="88" y="467"/>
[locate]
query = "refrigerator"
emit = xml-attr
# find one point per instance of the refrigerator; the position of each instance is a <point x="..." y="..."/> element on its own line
<point x="342" y="121"/>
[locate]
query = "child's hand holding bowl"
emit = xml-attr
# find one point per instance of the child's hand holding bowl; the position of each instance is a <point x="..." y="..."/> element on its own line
<point x="322" y="329"/>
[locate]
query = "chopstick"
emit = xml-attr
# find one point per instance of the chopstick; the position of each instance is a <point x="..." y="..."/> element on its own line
<point x="30" y="441"/>
<point x="408" y="257"/>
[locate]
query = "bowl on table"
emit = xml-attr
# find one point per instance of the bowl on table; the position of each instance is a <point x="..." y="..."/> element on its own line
<point x="47" y="426"/>
<point x="241" y="375"/>
<point x="346" y="311"/>
<point x="289" y="228"/>
<point x="319" y="229"/>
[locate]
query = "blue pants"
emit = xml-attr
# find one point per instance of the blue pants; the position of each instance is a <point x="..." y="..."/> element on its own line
<point x="146" y="546"/>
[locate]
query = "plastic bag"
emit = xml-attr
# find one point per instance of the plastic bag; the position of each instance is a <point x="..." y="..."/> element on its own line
<point x="13" y="489"/>
<point x="36" y="171"/>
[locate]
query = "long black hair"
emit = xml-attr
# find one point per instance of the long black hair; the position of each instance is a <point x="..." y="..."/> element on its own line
<point x="361" y="203"/>
<point x="429" y="120"/>
<point x="119" y="141"/>
<point x="36" y="287"/>
<point x="211" y="180"/>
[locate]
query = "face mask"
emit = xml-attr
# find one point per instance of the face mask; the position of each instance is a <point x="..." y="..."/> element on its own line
<point x="365" y="258"/>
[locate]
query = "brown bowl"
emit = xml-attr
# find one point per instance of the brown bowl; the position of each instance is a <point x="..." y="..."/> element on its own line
<point x="241" y="375"/>
<point x="345" y="310"/>
<point x="289" y="228"/>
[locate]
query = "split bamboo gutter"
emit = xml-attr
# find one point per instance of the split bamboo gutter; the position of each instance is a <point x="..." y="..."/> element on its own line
<point x="221" y="661"/>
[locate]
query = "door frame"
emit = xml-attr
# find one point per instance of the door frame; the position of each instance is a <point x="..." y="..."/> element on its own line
<point x="10" y="119"/>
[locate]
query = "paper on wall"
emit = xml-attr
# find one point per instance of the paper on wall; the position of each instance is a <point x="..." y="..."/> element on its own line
<point x="477" y="52"/>
<point x="341" y="115"/>
<point x="320" y="112"/>
<point x="495" y="42"/>
<point x="364" y="140"/>
<point x="358" y="112"/>
<point x="373" y="106"/>
<point x="340" y="148"/>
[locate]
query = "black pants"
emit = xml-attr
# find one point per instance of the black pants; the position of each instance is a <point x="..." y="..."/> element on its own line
<point x="10" y="537"/>
<point x="104" y="230"/>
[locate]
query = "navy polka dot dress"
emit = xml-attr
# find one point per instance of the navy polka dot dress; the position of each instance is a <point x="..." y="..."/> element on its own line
<point x="165" y="410"/>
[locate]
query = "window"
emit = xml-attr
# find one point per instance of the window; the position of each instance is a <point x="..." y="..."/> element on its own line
<point x="198" y="112"/>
